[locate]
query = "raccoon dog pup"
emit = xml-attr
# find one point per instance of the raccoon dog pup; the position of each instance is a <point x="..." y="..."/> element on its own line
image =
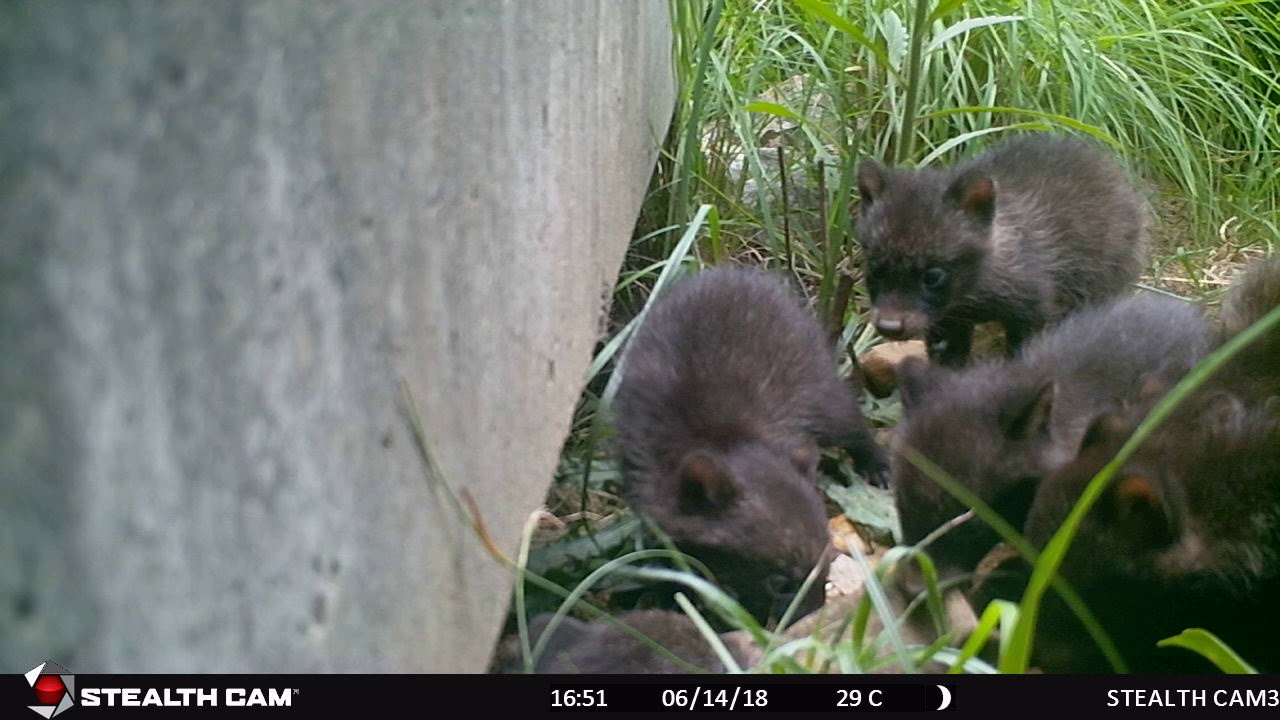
<point x="729" y="387"/>
<point x="1187" y="534"/>
<point x="1001" y="426"/>
<point x="1255" y="370"/>
<point x="1022" y="234"/>
<point x="1190" y="524"/>
<point x="601" y="647"/>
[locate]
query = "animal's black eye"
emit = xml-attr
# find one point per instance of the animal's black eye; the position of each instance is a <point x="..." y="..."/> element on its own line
<point x="934" y="278"/>
<point x="779" y="586"/>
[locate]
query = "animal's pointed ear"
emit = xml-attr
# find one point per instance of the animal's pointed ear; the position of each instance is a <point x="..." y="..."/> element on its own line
<point x="1030" y="415"/>
<point x="706" y="485"/>
<point x="805" y="458"/>
<point x="872" y="178"/>
<point x="1224" y="414"/>
<point x="916" y="381"/>
<point x="1136" y="506"/>
<point x="974" y="192"/>
<point x="1106" y="427"/>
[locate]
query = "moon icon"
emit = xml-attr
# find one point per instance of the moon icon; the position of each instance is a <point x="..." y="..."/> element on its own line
<point x="946" y="697"/>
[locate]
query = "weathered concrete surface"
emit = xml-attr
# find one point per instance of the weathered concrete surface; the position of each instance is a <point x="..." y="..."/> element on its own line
<point x="227" y="231"/>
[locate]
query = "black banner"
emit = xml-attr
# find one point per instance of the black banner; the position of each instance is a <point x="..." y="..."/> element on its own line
<point x="63" y="694"/>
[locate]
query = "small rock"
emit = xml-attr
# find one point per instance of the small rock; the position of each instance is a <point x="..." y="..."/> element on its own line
<point x="880" y="364"/>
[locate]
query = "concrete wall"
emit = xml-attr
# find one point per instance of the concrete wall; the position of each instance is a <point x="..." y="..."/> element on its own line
<point x="227" y="231"/>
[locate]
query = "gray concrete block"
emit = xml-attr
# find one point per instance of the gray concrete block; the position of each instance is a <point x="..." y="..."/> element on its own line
<point x="227" y="232"/>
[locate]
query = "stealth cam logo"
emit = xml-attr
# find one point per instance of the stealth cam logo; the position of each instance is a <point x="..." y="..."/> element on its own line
<point x="54" y="688"/>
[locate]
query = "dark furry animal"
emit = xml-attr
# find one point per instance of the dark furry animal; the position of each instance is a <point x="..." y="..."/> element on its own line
<point x="1000" y="427"/>
<point x="728" y="389"/>
<point x="1187" y="533"/>
<point x="1255" y="371"/>
<point x="602" y="647"/>
<point x="1022" y="234"/>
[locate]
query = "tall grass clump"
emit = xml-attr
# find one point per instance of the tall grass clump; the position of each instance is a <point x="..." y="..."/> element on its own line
<point x="1186" y="92"/>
